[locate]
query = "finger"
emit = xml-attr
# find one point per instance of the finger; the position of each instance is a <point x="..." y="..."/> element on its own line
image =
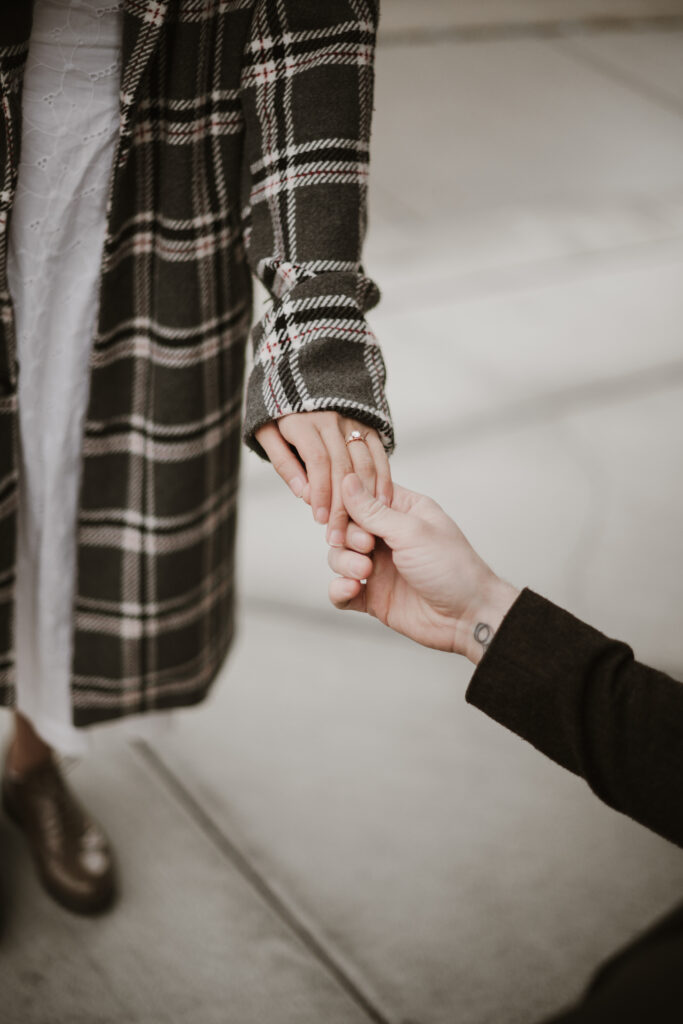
<point x="349" y="564"/>
<point x="369" y="512"/>
<point x="283" y="459"/>
<point x="363" y="462"/>
<point x="347" y="595"/>
<point x="341" y="466"/>
<point x="384" y="488"/>
<point x="313" y="451"/>
<point x="358" y="539"/>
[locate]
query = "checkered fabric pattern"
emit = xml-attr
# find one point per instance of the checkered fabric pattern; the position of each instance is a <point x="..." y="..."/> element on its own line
<point x="243" y="145"/>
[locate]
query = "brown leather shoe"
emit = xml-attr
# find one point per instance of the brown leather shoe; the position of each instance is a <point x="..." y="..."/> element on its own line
<point x="70" y="850"/>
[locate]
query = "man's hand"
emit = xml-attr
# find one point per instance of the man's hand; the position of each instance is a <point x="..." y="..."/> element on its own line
<point x="324" y="459"/>
<point x="424" y="579"/>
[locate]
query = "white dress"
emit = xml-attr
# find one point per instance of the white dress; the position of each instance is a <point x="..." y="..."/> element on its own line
<point x="70" y="126"/>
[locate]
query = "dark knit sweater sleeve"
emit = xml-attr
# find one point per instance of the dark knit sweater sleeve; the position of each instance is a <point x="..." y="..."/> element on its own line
<point x="584" y="701"/>
<point x="307" y="97"/>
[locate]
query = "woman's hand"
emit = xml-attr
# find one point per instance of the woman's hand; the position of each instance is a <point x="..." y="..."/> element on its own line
<point x="324" y="459"/>
<point x="424" y="579"/>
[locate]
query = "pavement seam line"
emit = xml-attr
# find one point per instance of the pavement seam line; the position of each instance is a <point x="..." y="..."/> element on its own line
<point x="482" y="284"/>
<point x="552" y="405"/>
<point x="513" y="30"/>
<point x="275" y="902"/>
<point x="543" y="408"/>
<point x="660" y="98"/>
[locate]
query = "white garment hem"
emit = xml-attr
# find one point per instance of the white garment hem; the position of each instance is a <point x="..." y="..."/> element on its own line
<point x="69" y="741"/>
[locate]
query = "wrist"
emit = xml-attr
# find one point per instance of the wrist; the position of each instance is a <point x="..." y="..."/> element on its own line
<point x="482" y="620"/>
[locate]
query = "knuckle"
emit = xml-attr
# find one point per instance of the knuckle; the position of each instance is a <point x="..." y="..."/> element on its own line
<point x="340" y="469"/>
<point x="361" y="452"/>
<point x="286" y="427"/>
<point x="360" y="537"/>
<point x="318" y="459"/>
<point x="375" y="508"/>
<point x="360" y="566"/>
<point x="266" y="442"/>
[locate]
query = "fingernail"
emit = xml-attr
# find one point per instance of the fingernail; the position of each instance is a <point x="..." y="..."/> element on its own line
<point x="322" y="515"/>
<point x="296" y="485"/>
<point x="336" y="539"/>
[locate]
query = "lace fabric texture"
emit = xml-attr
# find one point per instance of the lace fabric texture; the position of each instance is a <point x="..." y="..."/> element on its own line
<point x="70" y="126"/>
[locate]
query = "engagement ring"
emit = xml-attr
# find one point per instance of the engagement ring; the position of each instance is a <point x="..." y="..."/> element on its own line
<point x="356" y="435"/>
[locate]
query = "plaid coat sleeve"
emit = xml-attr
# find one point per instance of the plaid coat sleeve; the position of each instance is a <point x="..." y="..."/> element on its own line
<point x="307" y="92"/>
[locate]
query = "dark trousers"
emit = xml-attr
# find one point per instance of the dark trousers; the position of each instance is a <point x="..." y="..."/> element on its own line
<point x="642" y="984"/>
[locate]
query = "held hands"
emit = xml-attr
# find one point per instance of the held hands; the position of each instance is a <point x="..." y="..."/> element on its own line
<point x="324" y="459"/>
<point x="424" y="579"/>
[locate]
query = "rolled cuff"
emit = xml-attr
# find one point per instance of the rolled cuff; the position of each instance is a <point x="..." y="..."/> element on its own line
<point x="314" y="351"/>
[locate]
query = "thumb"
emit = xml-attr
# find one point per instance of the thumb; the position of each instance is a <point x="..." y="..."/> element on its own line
<point x="369" y="512"/>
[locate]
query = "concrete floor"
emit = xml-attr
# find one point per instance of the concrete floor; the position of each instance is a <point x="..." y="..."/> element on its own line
<point x="336" y="836"/>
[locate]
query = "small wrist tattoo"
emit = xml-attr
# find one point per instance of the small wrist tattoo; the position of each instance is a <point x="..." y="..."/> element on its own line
<point x="483" y="634"/>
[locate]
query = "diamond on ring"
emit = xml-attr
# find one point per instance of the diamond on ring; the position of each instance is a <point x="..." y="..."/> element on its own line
<point x="355" y="435"/>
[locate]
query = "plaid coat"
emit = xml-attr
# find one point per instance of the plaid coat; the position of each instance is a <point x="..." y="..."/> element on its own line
<point x="243" y="146"/>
